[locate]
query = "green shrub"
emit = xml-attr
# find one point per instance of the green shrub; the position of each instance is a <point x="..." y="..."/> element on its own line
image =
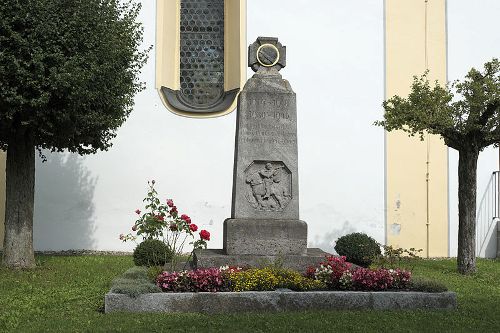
<point x="135" y="273"/>
<point x="152" y="252"/>
<point x="427" y="285"/>
<point x="133" y="287"/>
<point x="153" y="272"/>
<point x="397" y="257"/>
<point x="133" y="282"/>
<point x="358" y="248"/>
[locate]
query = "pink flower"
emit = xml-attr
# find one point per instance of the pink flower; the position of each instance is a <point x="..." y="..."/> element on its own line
<point x="193" y="227"/>
<point x="170" y="203"/>
<point x="186" y="218"/>
<point x="137" y="211"/>
<point x="205" y="235"/>
<point x="173" y="211"/>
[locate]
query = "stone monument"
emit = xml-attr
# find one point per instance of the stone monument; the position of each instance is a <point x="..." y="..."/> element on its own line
<point x="264" y="221"/>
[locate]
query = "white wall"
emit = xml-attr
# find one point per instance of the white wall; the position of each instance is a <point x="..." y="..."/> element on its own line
<point x="335" y="65"/>
<point x="473" y="39"/>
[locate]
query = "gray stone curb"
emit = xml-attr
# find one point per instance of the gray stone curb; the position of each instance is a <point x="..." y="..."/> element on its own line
<point x="276" y="301"/>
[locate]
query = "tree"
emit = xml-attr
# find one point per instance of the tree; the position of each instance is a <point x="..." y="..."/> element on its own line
<point x="68" y="74"/>
<point x="468" y="123"/>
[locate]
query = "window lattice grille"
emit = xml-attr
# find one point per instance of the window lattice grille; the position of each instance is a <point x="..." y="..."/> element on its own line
<point x="202" y="51"/>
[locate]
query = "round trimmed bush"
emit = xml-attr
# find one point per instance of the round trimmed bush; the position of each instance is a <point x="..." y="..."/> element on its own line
<point x="152" y="252"/>
<point x="358" y="248"/>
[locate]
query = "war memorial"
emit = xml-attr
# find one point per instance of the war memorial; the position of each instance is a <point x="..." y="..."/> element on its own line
<point x="265" y="226"/>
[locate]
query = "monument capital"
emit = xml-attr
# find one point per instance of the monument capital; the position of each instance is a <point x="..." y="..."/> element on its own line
<point x="266" y="54"/>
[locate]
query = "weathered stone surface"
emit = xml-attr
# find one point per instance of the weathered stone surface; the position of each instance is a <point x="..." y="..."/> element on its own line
<point x="282" y="300"/>
<point x="265" y="237"/>
<point x="265" y="183"/>
<point x="216" y="258"/>
<point x="265" y="178"/>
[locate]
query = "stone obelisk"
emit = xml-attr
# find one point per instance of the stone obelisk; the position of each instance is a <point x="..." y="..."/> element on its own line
<point x="265" y="207"/>
<point x="264" y="224"/>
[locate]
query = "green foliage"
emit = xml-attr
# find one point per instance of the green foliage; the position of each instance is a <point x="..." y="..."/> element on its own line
<point x="393" y="257"/>
<point x="466" y="114"/>
<point x="136" y="272"/>
<point x="66" y="294"/>
<point x="427" y="285"/>
<point x="153" y="272"/>
<point x="161" y="220"/>
<point x="133" y="287"/>
<point x="293" y="280"/>
<point x="258" y="279"/>
<point x="68" y="71"/>
<point x="272" y="278"/>
<point x="358" y="248"/>
<point x="133" y="282"/>
<point x="152" y="252"/>
<point x="471" y="119"/>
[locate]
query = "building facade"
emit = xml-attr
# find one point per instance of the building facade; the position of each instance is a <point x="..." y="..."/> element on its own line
<point x="343" y="60"/>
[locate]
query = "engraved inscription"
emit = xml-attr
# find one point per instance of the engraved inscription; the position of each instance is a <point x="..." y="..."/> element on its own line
<point x="276" y="126"/>
<point x="269" y="185"/>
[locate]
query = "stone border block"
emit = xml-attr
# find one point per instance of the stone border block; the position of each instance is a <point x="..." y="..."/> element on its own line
<point x="277" y="301"/>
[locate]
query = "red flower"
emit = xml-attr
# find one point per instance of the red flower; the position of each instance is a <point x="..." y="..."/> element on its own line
<point x="194" y="227"/>
<point x="137" y="211"/>
<point x="186" y="218"/>
<point x="134" y="228"/>
<point x="205" y="235"/>
<point x="173" y="210"/>
<point x="160" y="218"/>
<point x="170" y="203"/>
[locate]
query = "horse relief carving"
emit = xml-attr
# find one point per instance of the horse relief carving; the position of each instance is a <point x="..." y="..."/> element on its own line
<point x="269" y="185"/>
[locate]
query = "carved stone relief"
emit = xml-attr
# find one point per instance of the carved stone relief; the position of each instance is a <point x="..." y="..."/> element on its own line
<point x="269" y="185"/>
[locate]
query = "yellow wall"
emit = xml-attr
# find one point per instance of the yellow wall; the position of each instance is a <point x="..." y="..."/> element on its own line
<point x="168" y="43"/>
<point x="2" y="196"/>
<point x="406" y="158"/>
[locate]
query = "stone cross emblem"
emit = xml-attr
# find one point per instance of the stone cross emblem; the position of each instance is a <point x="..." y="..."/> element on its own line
<point x="266" y="54"/>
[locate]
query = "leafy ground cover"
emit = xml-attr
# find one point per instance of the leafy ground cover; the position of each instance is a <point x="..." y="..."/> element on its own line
<point x="66" y="294"/>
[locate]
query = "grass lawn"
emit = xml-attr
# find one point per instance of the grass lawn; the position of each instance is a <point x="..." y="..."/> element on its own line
<point x="66" y="294"/>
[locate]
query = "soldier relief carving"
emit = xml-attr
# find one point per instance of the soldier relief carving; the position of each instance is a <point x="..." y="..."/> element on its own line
<point x="269" y="185"/>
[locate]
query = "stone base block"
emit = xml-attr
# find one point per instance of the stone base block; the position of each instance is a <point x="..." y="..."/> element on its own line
<point x="265" y="237"/>
<point x="216" y="258"/>
<point x="280" y="300"/>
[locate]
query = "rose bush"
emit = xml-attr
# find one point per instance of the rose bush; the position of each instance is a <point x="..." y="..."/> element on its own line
<point x="162" y="221"/>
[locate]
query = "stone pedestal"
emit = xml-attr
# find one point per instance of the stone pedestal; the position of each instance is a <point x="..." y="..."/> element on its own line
<point x="265" y="237"/>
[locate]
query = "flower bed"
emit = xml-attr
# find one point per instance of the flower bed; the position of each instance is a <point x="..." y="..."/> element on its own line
<point x="333" y="284"/>
<point x="332" y="274"/>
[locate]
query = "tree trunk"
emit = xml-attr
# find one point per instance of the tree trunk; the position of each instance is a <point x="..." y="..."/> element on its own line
<point x="20" y="192"/>
<point x="467" y="182"/>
